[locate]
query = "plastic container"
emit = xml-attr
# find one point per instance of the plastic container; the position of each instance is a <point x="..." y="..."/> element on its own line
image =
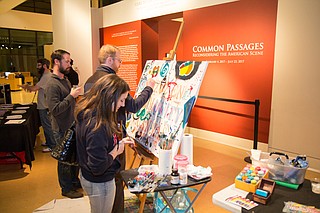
<point x="278" y="171"/>
<point x="183" y="171"/>
<point x="315" y="184"/>
<point x="178" y="158"/>
<point x="148" y="168"/>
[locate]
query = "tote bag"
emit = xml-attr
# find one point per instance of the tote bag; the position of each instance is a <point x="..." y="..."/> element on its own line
<point x="66" y="151"/>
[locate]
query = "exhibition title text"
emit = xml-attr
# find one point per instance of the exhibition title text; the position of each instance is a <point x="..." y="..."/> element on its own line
<point x="242" y="49"/>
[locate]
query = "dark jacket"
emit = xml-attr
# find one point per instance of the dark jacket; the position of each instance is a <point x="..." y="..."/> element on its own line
<point x="93" y="148"/>
<point x="73" y="77"/>
<point x="131" y="105"/>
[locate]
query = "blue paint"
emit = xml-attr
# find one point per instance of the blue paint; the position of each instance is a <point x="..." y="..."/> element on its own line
<point x="262" y="193"/>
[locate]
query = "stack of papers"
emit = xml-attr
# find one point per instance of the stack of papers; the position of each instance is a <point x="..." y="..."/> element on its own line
<point x="18" y="111"/>
<point x="14" y="117"/>
<point x="24" y="107"/>
<point x="6" y="106"/>
<point x="15" y="121"/>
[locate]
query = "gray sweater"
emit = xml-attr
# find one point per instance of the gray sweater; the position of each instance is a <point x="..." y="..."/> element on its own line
<point x="60" y="103"/>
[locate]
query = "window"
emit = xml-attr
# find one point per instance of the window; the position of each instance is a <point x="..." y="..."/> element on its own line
<point x="20" y="49"/>
<point x="103" y="3"/>
<point x="35" y="6"/>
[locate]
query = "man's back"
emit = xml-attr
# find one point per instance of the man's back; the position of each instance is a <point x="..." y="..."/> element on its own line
<point x="42" y="103"/>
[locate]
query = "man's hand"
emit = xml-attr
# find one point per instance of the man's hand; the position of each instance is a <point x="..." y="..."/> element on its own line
<point x="25" y="87"/>
<point x="75" y="92"/>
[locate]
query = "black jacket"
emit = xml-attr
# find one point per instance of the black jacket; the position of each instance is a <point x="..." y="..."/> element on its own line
<point x="131" y="105"/>
<point x="93" y="148"/>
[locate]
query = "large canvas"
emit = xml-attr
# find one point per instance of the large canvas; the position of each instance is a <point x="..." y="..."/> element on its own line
<point x="168" y="109"/>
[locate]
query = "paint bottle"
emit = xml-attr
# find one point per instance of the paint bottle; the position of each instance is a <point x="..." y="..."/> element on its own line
<point x="175" y="177"/>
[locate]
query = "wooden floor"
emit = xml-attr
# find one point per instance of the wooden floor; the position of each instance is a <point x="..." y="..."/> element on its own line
<point x="24" y="190"/>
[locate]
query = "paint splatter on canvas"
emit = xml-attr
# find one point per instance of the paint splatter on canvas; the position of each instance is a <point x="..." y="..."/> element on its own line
<point x="168" y="110"/>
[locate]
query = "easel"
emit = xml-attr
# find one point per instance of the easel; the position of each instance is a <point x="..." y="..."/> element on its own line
<point x="172" y="52"/>
<point x="141" y="151"/>
<point x="144" y="155"/>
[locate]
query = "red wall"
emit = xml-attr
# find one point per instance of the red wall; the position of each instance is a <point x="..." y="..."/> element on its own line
<point x="150" y="37"/>
<point x="243" y="22"/>
<point x="128" y="38"/>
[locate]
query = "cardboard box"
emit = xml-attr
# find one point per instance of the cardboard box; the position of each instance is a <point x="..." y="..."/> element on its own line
<point x="266" y="185"/>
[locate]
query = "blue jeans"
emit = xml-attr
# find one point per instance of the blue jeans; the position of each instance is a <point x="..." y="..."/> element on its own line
<point x="101" y="195"/>
<point x="68" y="175"/>
<point x="46" y="125"/>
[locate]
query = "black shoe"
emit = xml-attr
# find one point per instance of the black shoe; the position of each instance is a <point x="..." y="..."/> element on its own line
<point x="72" y="194"/>
<point x="76" y="186"/>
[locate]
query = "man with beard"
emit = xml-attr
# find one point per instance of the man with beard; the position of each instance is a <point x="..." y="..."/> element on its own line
<point x="61" y="99"/>
<point x="43" y="65"/>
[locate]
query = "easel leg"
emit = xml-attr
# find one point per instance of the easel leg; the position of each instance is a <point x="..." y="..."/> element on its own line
<point x="142" y="199"/>
<point x="132" y="162"/>
<point x="142" y="159"/>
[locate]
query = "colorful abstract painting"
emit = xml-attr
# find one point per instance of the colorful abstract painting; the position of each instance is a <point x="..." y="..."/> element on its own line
<point x="168" y="110"/>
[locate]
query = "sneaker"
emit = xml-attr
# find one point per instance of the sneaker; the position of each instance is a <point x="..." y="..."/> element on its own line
<point x="72" y="194"/>
<point x="46" y="150"/>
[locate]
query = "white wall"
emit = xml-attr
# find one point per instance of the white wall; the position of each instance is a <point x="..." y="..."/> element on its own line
<point x="26" y="21"/>
<point x="295" y="109"/>
<point x="71" y="22"/>
<point x="132" y="10"/>
<point x="96" y="23"/>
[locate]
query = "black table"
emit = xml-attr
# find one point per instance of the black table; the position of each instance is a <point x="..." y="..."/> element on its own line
<point x="131" y="173"/>
<point x="281" y="194"/>
<point x="20" y="137"/>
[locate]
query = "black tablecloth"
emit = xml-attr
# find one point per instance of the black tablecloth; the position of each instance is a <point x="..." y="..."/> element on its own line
<point x="281" y="194"/>
<point x="21" y="137"/>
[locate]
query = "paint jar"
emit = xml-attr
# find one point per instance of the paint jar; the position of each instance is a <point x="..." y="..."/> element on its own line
<point x="178" y="158"/>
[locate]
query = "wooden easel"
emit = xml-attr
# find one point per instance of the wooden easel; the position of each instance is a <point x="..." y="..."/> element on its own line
<point x="140" y="151"/>
<point x="144" y="155"/>
<point x="172" y="52"/>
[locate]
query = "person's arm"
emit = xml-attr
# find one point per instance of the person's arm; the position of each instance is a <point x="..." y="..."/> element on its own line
<point x="133" y="105"/>
<point x="99" y="158"/>
<point x="29" y="88"/>
<point x="55" y="105"/>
